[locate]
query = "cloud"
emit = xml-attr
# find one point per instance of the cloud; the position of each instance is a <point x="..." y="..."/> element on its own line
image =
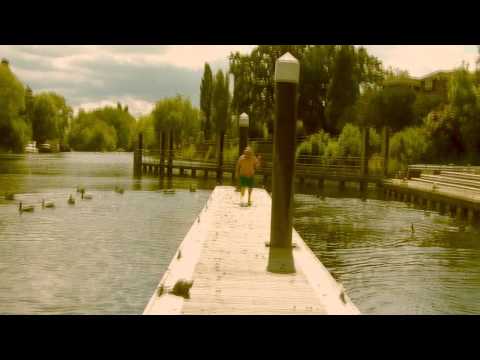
<point x="420" y="60"/>
<point x="136" y="107"/>
<point x="136" y="75"/>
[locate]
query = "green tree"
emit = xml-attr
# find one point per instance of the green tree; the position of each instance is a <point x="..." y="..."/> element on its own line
<point x="44" y="119"/>
<point x="13" y="127"/>
<point x="426" y="103"/>
<point x="350" y="141"/>
<point x="464" y="105"/>
<point x="220" y="105"/>
<point x="63" y="114"/>
<point x="28" y="105"/>
<point x="90" y="133"/>
<point x="121" y="120"/>
<point x="409" y="146"/>
<point x="206" y="92"/>
<point x="392" y="106"/>
<point x="343" y="89"/>
<point x="179" y="116"/>
<point x="315" y="76"/>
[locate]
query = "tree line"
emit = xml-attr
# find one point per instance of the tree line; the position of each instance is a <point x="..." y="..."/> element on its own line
<point x="341" y="88"/>
<point x="45" y="117"/>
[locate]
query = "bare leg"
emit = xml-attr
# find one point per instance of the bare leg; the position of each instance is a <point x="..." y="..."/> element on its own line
<point x="250" y="196"/>
<point x="242" y="193"/>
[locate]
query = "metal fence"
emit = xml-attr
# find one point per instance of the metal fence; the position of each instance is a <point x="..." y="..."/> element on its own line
<point x="348" y="165"/>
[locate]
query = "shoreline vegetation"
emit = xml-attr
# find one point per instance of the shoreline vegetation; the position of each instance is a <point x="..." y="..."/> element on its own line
<point x="435" y="119"/>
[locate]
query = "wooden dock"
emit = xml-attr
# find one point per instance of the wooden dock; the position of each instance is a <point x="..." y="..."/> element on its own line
<point x="445" y="194"/>
<point x="225" y="254"/>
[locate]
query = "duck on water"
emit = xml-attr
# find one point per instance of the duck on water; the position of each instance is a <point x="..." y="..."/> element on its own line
<point x="25" y="208"/>
<point x="86" y="196"/>
<point x="47" y="204"/>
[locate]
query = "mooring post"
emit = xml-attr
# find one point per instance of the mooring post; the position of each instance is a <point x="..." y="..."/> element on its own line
<point x="385" y="150"/>
<point x="170" y="155"/>
<point x="287" y="69"/>
<point x="137" y="157"/>
<point x="364" y="151"/>
<point x="471" y="216"/>
<point x="459" y="213"/>
<point x="243" y="127"/>
<point x="162" y="153"/>
<point x="221" y="140"/>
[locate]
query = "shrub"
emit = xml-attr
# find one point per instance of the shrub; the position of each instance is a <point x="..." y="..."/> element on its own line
<point x="409" y="146"/>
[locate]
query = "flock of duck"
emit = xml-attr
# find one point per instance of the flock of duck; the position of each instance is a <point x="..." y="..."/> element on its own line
<point x="71" y="200"/>
<point x="50" y="204"/>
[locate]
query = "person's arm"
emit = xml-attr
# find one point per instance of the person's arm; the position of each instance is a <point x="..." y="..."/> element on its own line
<point x="237" y="168"/>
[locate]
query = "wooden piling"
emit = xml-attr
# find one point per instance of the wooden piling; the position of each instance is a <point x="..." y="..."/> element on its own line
<point x="287" y="70"/>
<point x="170" y="155"/>
<point x="137" y="157"/>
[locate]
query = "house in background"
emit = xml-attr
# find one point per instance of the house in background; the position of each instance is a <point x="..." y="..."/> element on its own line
<point x="435" y="83"/>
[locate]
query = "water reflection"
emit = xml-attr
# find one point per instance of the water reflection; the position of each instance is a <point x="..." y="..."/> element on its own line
<point x="102" y="256"/>
<point x="105" y="256"/>
<point x="386" y="268"/>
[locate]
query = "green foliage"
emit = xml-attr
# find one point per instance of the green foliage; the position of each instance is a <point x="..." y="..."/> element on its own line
<point x="13" y="128"/>
<point x="206" y="94"/>
<point x="409" y="146"/>
<point x="350" y="141"/>
<point x="121" y="121"/>
<point x="179" y="115"/>
<point x="230" y="154"/>
<point x="146" y="127"/>
<point x="343" y="89"/>
<point x="424" y="104"/>
<point x="392" y="106"/>
<point x="316" y="145"/>
<point x="91" y="133"/>
<point x="220" y="102"/>
<point x="44" y="120"/>
<point x="254" y="85"/>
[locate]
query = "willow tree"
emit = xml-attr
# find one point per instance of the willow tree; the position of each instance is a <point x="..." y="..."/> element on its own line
<point x="14" y="131"/>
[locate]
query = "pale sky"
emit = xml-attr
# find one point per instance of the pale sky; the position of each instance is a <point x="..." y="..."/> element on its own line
<point x="137" y="75"/>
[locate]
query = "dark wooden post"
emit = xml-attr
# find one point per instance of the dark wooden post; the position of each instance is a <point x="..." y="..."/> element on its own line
<point x="287" y="70"/>
<point x="243" y="127"/>
<point x="137" y="157"/>
<point x="170" y="155"/>
<point x="220" y="157"/>
<point x="364" y="151"/>
<point x="162" y="153"/>
<point x="280" y="259"/>
<point x="385" y="149"/>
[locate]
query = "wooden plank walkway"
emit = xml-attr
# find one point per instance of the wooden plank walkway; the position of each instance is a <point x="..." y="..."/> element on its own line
<point x="226" y="256"/>
<point x="459" y="194"/>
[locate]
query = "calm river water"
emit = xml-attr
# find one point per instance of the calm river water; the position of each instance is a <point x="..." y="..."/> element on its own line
<point x="106" y="255"/>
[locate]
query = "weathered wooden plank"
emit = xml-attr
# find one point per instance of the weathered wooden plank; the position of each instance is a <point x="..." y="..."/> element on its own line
<point x="225" y="255"/>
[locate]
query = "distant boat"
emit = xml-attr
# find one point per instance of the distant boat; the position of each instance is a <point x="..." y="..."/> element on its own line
<point x="45" y="148"/>
<point x="31" y="148"/>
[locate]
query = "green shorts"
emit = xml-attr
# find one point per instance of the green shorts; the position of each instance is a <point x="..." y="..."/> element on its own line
<point x="246" y="181"/>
